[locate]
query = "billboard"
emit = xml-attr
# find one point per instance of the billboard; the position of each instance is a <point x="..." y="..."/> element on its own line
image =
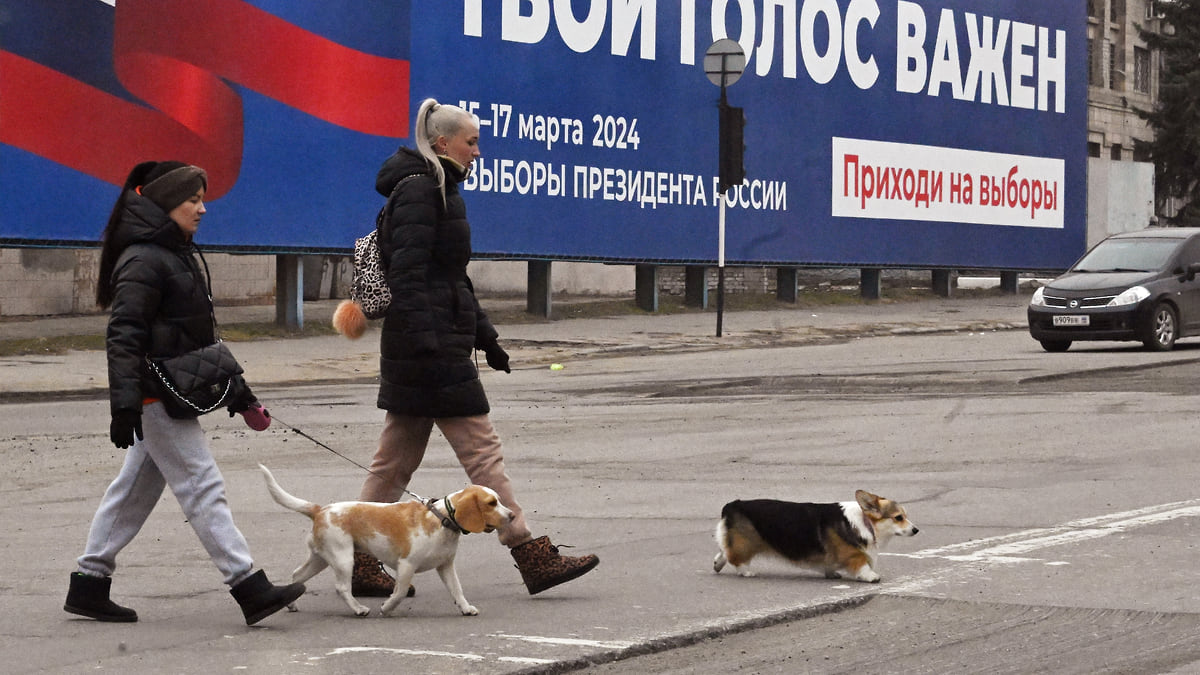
<point x="914" y="133"/>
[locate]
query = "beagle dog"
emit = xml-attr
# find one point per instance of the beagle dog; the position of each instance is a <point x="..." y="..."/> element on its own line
<point x="408" y="537"/>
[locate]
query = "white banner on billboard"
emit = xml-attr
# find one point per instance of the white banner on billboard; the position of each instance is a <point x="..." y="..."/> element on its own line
<point x="901" y="181"/>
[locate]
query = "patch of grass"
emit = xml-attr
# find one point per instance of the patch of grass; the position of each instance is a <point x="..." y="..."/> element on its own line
<point x="245" y="332"/>
<point x="50" y="345"/>
<point x="242" y="332"/>
<point x="807" y="298"/>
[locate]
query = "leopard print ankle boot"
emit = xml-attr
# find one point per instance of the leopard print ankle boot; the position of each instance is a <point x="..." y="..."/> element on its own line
<point x="370" y="579"/>
<point x="543" y="567"/>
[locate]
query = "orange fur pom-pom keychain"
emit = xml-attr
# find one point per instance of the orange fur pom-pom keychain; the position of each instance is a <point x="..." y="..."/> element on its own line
<point x="349" y="320"/>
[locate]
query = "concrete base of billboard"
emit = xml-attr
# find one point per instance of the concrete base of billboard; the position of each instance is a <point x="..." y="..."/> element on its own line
<point x="289" y="291"/>
<point x="870" y="283"/>
<point x="695" y="286"/>
<point x="787" y="284"/>
<point x="645" y="289"/>
<point x="943" y="283"/>
<point x="538" y="286"/>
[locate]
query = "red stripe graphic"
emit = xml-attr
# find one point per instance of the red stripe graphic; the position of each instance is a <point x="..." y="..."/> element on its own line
<point x="175" y="57"/>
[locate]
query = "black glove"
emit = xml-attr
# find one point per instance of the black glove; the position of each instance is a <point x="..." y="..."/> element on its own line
<point x="125" y="424"/>
<point x="497" y="358"/>
<point x="242" y="404"/>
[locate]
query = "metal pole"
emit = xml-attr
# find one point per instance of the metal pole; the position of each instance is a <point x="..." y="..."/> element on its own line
<point x="720" y="262"/>
<point x="721" y="229"/>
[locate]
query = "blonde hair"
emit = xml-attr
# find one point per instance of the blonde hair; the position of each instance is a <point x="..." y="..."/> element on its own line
<point x="433" y="120"/>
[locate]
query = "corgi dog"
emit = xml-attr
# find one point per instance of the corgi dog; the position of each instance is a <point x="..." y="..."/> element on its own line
<point x="839" y="539"/>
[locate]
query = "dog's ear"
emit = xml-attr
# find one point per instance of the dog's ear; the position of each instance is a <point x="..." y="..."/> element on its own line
<point x="868" y="502"/>
<point x="467" y="510"/>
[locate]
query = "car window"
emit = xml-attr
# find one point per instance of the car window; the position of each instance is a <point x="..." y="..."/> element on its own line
<point x="1118" y="255"/>
<point x="1190" y="253"/>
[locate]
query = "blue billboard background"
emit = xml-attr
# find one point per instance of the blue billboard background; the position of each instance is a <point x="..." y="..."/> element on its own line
<point x="305" y="180"/>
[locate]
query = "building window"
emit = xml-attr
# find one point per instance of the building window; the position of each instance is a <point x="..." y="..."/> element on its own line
<point x="1141" y="70"/>
<point x="1116" y="9"/>
<point x="1093" y="149"/>
<point x="1115" y="152"/>
<point x="1091" y="63"/>
<point x="1111" y="65"/>
<point x="1141" y="151"/>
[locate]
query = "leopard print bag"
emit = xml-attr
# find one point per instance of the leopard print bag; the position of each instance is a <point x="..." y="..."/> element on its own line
<point x="369" y="285"/>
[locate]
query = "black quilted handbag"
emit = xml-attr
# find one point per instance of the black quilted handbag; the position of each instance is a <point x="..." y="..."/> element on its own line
<point x="198" y="382"/>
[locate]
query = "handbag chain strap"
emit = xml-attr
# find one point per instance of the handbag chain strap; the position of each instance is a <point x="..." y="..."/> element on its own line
<point x="166" y="382"/>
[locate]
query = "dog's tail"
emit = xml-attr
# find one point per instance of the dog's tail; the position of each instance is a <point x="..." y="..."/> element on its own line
<point x="286" y="500"/>
<point x="731" y="510"/>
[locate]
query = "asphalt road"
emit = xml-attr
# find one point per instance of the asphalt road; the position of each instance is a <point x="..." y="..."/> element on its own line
<point x="1056" y="496"/>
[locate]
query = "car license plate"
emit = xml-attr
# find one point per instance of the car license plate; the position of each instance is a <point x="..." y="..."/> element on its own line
<point x="1071" y="320"/>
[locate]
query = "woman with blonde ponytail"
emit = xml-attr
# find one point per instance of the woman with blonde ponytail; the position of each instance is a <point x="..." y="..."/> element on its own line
<point x="430" y="333"/>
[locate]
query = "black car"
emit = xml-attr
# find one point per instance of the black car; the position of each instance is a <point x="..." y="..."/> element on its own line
<point x="1137" y="286"/>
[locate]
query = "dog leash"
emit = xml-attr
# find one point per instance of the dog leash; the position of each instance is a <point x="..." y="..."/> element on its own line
<point x="448" y="520"/>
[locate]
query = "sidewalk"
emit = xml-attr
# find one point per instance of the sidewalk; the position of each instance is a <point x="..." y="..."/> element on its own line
<point x="333" y="358"/>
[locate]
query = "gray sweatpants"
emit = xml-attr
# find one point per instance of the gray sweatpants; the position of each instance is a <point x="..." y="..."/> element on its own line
<point x="176" y="453"/>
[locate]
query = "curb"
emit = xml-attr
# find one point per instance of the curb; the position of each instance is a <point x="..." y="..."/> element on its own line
<point x="670" y="642"/>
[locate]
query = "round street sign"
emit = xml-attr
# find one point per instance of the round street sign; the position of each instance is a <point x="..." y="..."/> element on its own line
<point x="724" y="62"/>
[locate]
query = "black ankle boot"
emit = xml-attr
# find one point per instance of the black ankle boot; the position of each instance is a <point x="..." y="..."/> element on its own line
<point x="88" y="596"/>
<point x="260" y="598"/>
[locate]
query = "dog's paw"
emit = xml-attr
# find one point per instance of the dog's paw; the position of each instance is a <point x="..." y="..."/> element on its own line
<point x="869" y="575"/>
<point x="470" y="610"/>
<point x="744" y="572"/>
<point x="364" y="611"/>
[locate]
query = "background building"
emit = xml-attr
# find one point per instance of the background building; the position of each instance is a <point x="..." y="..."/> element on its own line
<point x="1123" y="78"/>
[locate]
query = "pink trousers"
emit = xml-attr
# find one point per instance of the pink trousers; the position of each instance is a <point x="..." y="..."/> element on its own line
<point x="402" y="447"/>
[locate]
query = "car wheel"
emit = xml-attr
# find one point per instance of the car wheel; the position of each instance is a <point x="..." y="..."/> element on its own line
<point x="1056" y="345"/>
<point x="1163" y="329"/>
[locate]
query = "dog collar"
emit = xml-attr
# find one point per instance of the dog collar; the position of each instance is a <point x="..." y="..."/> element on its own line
<point x="448" y="520"/>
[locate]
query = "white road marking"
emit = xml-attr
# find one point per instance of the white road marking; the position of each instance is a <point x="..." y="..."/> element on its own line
<point x="565" y="642"/>
<point x="1000" y="549"/>
<point x="528" y="660"/>
<point x="1008" y="548"/>
<point x="405" y="652"/>
<point x="537" y="639"/>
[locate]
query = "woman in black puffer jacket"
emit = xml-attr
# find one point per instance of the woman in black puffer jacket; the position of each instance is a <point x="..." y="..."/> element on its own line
<point x="161" y="306"/>
<point x="430" y="334"/>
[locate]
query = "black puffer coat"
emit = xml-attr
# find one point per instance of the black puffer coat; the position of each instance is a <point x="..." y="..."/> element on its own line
<point x="434" y="323"/>
<point x="160" y="305"/>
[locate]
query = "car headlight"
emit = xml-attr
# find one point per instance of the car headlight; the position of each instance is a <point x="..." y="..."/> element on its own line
<point x="1038" y="299"/>
<point x="1131" y="296"/>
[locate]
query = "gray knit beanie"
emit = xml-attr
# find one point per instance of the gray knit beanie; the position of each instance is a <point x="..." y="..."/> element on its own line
<point x="170" y="184"/>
